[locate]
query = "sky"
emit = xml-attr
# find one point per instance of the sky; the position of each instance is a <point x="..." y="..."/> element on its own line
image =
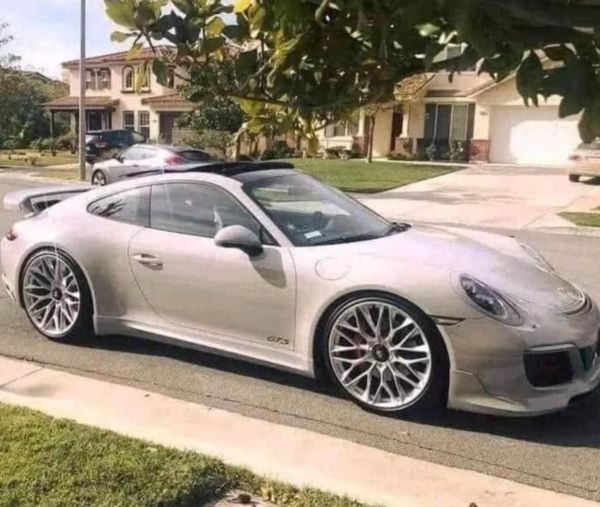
<point x="46" y="32"/>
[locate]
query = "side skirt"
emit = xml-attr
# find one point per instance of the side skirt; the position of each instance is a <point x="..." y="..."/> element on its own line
<point x="250" y="351"/>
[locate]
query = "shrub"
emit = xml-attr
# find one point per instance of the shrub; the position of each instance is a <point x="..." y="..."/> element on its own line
<point x="214" y="142"/>
<point x="48" y="144"/>
<point x="11" y="145"/>
<point x="36" y="145"/>
<point x="67" y="142"/>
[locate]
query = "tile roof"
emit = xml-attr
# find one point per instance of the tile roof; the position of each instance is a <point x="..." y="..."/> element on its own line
<point x="170" y="99"/>
<point x="90" y="103"/>
<point x="122" y="57"/>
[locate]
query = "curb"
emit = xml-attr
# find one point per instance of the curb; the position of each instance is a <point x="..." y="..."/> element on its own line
<point x="289" y="454"/>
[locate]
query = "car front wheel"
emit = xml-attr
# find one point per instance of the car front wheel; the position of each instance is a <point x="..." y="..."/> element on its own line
<point x="56" y="297"/>
<point x="574" y="178"/>
<point x="99" y="179"/>
<point x="386" y="355"/>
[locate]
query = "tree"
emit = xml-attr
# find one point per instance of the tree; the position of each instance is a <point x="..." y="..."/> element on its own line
<point x="22" y="95"/>
<point x="317" y="60"/>
<point x="220" y="114"/>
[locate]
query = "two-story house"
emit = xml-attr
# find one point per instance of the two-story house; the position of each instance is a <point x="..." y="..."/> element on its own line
<point x="112" y="101"/>
<point x="488" y="118"/>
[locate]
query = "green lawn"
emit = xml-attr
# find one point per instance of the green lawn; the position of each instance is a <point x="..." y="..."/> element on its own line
<point x="358" y="176"/>
<point x="31" y="158"/>
<point x="52" y="462"/>
<point x="582" y="219"/>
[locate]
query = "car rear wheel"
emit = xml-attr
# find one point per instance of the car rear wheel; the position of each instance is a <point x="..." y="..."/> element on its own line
<point x="99" y="178"/>
<point x="56" y="297"/>
<point x="574" y="178"/>
<point x="386" y="355"/>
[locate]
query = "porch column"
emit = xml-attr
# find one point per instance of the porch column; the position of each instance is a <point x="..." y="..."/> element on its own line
<point x="51" y="124"/>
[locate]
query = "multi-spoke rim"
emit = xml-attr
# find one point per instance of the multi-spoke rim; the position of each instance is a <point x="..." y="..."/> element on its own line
<point x="51" y="294"/>
<point x="98" y="179"/>
<point x="380" y="355"/>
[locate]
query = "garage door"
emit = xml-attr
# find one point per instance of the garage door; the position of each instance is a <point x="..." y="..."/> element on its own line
<point x="531" y="135"/>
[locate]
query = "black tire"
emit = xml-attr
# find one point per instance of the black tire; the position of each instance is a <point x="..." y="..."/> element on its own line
<point x="434" y="397"/>
<point x="574" y="178"/>
<point x="99" y="178"/>
<point x="83" y="326"/>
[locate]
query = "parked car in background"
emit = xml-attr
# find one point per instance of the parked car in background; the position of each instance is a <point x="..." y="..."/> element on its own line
<point x="144" y="157"/>
<point x="585" y="161"/>
<point x="102" y="144"/>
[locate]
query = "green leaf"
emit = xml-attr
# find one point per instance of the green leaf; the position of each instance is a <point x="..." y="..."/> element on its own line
<point x="242" y="5"/>
<point x="120" y="36"/>
<point x="212" y="45"/>
<point x="161" y="71"/>
<point x="122" y="13"/>
<point x="529" y="78"/>
<point x="185" y="6"/>
<point x="141" y="77"/>
<point x="215" y="27"/>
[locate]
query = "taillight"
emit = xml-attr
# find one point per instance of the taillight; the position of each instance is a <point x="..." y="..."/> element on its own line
<point x="175" y="160"/>
<point x="11" y="235"/>
<point x="576" y="158"/>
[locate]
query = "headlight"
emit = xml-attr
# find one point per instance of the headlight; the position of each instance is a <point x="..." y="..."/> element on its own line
<point x="490" y="302"/>
<point x="539" y="259"/>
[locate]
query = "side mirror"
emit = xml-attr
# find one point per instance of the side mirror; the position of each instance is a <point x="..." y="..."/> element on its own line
<point x="118" y="157"/>
<point x="242" y="238"/>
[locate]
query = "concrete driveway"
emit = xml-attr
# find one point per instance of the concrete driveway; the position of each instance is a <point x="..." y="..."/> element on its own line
<point x="506" y="197"/>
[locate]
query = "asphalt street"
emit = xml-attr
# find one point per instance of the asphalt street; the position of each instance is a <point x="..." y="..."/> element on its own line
<point x="559" y="452"/>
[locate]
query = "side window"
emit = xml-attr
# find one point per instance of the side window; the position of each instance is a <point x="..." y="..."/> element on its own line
<point x="196" y="209"/>
<point x="131" y="206"/>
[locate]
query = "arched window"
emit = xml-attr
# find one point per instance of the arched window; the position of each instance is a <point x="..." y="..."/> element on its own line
<point x="128" y="77"/>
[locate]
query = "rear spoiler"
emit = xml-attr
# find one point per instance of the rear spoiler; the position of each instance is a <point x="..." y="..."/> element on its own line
<point x="36" y="200"/>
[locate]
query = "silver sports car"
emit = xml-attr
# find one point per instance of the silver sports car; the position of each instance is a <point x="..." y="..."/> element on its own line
<point x="265" y="263"/>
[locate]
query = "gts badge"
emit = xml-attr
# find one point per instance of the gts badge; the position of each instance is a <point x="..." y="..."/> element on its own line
<point x="276" y="340"/>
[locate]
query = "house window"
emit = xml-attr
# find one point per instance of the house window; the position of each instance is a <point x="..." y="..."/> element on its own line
<point x="342" y="129"/>
<point x="129" y="120"/>
<point x="171" y="78"/>
<point x="128" y="76"/>
<point x="145" y="80"/>
<point x="144" y="123"/>
<point x="103" y="79"/>
<point x="447" y="122"/>
<point x="89" y="80"/>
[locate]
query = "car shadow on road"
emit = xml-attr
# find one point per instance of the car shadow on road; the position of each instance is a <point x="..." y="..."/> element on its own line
<point x="132" y="345"/>
<point x="577" y="426"/>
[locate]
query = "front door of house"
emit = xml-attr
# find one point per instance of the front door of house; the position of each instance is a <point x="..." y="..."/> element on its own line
<point x="167" y="125"/>
<point x="94" y="120"/>
<point x="397" y="121"/>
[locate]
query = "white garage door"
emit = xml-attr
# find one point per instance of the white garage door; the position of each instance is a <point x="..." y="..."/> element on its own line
<point x="531" y="135"/>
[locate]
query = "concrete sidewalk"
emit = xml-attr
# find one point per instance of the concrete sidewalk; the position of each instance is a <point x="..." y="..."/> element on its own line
<point x="505" y="197"/>
<point x="290" y="454"/>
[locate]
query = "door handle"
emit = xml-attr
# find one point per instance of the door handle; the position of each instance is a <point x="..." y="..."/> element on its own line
<point x="148" y="260"/>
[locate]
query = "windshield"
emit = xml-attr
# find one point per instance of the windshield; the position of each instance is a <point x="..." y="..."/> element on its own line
<point x="311" y="213"/>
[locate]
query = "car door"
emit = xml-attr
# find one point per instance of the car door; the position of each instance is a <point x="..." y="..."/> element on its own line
<point x="190" y="281"/>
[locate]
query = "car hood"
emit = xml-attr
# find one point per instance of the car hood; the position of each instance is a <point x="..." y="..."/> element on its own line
<point x="496" y="260"/>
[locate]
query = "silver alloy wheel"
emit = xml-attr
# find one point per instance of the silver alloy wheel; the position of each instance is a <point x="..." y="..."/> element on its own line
<point x="98" y="179"/>
<point x="51" y="295"/>
<point x="380" y="355"/>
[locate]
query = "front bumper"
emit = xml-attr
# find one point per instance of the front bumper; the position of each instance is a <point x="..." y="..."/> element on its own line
<point x="514" y="371"/>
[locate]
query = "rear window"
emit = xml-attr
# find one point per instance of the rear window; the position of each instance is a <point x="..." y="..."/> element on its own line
<point x="195" y="155"/>
<point x="131" y="207"/>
